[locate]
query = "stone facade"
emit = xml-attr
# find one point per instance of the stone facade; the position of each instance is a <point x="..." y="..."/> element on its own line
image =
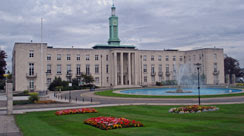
<point x="35" y="65"/>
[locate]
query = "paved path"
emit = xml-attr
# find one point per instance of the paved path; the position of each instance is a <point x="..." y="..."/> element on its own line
<point x="8" y="126"/>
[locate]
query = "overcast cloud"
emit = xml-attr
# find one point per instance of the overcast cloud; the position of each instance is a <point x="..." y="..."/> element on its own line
<point x="147" y="24"/>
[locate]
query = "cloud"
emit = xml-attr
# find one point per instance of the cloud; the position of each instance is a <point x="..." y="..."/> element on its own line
<point x="161" y="24"/>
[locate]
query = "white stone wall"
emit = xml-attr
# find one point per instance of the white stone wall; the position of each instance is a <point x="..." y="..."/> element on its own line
<point x="21" y="62"/>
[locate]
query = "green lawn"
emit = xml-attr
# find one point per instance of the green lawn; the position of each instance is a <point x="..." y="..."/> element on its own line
<point x="111" y="94"/>
<point x="228" y="121"/>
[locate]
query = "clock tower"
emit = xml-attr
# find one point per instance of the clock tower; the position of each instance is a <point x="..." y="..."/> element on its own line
<point x="113" y="28"/>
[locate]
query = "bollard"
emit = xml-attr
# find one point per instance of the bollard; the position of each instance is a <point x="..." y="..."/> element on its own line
<point x="83" y="99"/>
<point x="91" y="99"/>
<point x="76" y="99"/>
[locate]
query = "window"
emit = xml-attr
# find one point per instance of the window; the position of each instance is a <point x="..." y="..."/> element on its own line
<point x="160" y="68"/>
<point x="159" y="58"/>
<point x="87" y="57"/>
<point x="49" y="69"/>
<point x="77" y="56"/>
<point x="58" y="56"/>
<point x="174" y="58"/>
<point x="152" y="69"/>
<point x="68" y="57"/>
<point x="49" y="57"/>
<point x="31" y="69"/>
<point x="153" y="78"/>
<point x="215" y="67"/>
<point x="181" y="58"/>
<point x="145" y="68"/>
<point x="59" y="69"/>
<point x="167" y="58"/>
<point x="96" y="57"/>
<point x="145" y="58"/>
<point x="31" y="53"/>
<point x="106" y="57"/>
<point x="167" y="68"/>
<point x="145" y="79"/>
<point x="31" y="84"/>
<point x="49" y="80"/>
<point x="107" y="79"/>
<point x="189" y="58"/>
<point x="215" y="56"/>
<point x="107" y="69"/>
<point x="152" y="58"/>
<point x="96" y="69"/>
<point x="78" y="69"/>
<point x="200" y="56"/>
<point x="68" y="68"/>
<point x="174" y="68"/>
<point x="87" y="69"/>
<point x="97" y="80"/>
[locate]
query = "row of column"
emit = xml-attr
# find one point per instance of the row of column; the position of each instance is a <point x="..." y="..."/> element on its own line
<point x="119" y="57"/>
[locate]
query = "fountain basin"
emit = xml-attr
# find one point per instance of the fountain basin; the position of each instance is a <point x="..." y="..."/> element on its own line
<point x="171" y="91"/>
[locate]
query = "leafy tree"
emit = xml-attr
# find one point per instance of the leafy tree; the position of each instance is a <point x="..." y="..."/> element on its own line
<point x="3" y="63"/>
<point x="87" y="79"/>
<point x="57" y="82"/>
<point x="231" y="66"/>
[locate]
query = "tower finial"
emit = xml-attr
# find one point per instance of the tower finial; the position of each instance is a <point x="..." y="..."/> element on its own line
<point x="113" y="3"/>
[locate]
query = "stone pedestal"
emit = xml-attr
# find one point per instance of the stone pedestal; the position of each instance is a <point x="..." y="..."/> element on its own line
<point x="9" y="91"/>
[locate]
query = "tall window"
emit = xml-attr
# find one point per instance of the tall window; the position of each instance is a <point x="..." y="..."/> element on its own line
<point x="152" y="58"/>
<point x="68" y="57"/>
<point x="181" y="58"/>
<point x="78" y="69"/>
<point x="189" y="58"/>
<point x="49" y="69"/>
<point x="31" y="53"/>
<point x="59" y="69"/>
<point x="49" y="80"/>
<point x="167" y="58"/>
<point x="107" y="69"/>
<point x="97" y="80"/>
<point x="159" y="58"/>
<point x="87" y="69"/>
<point x="106" y="57"/>
<point x="160" y="68"/>
<point x="145" y="58"/>
<point x="215" y="67"/>
<point x="153" y="78"/>
<point x="58" y="56"/>
<point x="215" y="56"/>
<point x="87" y="57"/>
<point x="96" y="69"/>
<point x="31" y="84"/>
<point x="96" y="57"/>
<point x="174" y="58"/>
<point x="107" y="79"/>
<point x="152" y="69"/>
<point x="167" y="68"/>
<point x="145" y="79"/>
<point x="49" y="57"/>
<point x="68" y="68"/>
<point x="31" y="69"/>
<point x="77" y="56"/>
<point x="145" y="68"/>
<point x="200" y="56"/>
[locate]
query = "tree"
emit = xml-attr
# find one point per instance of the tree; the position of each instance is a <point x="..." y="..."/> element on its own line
<point x="87" y="79"/>
<point x="3" y="63"/>
<point x="58" y="82"/>
<point x="231" y="66"/>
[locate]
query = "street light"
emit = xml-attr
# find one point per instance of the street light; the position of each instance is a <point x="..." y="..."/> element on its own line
<point x="198" y="68"/>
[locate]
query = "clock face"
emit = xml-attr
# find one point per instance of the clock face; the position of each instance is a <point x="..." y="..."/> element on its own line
<point x="114" y="22"/>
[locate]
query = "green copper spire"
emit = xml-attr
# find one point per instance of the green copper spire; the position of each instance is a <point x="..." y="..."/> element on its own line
<point x="113" y="28"/>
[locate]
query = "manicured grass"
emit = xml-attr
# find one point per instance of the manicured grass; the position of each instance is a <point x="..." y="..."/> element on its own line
<point x="111" y="94"/>
<point x="228" y="121"/>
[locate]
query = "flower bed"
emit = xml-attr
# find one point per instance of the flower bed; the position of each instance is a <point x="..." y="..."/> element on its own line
<point x="76" y="111"/>
<point x="193" y="109"/>
<point x="106" y="123"/>
<point x="45" y="102"/>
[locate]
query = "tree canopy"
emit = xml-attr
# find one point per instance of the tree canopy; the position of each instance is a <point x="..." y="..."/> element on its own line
<point x="3" y="63"/>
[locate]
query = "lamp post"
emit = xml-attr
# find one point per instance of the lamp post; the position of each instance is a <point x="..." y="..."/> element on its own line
<point x="198" y="68"/>
<point x="70" y="85"/>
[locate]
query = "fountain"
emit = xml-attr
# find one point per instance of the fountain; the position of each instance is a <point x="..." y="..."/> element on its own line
<point x="183" y="71"/>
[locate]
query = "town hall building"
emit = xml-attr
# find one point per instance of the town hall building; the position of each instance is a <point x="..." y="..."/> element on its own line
<point x="35" y="65"/>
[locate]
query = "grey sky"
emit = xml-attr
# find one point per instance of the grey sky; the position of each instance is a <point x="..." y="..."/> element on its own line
<point x="148" y="24"/>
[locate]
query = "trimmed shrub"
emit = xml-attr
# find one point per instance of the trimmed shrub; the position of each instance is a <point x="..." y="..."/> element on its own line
<point x="33" y="97"/>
